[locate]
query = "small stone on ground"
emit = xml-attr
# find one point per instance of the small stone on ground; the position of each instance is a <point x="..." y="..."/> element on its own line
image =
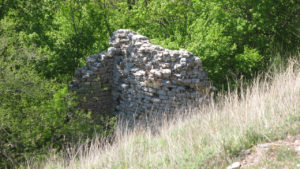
<point x="234" y="165"/>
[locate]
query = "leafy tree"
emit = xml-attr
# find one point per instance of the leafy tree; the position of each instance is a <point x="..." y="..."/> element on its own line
<point x="36" y="113"/>
<point x="237" y="38"/>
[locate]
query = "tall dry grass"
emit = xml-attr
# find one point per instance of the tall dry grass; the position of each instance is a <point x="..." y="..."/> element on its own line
<point x="210" y="137"/>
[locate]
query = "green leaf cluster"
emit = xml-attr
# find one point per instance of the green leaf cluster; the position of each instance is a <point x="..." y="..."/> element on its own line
<point x="233" y="38"/>
<point x="37" y="113"/>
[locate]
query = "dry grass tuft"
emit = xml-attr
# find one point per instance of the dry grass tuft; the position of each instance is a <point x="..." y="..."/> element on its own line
<point x="212" y="136"/>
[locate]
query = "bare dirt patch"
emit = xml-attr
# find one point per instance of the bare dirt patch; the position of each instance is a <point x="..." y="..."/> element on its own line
<point x="279" y="154"/>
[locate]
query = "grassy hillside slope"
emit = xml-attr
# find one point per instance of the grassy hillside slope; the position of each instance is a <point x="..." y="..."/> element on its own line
<point x="212" y="136"/>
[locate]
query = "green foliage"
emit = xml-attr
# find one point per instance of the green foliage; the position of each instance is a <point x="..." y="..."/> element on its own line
<point x="236" y="38"/>
<point x="78" y="34"/>
<point x="37" y="114"/>
<point x="233" y="38"/>
<point x="63" y="33"/>
<point x="166" y="21"/>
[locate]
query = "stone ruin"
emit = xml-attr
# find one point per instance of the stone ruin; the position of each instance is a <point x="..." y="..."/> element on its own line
<point x="135" y="78"/>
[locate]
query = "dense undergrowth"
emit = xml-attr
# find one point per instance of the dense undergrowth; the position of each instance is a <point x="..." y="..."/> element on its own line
<point x="42" y="42"/>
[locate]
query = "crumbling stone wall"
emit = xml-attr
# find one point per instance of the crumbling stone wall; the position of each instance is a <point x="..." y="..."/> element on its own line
<point x="135" y="77"/>
<point x="93" y="83"/>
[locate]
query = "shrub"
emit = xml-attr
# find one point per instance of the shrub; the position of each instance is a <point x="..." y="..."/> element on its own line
<point x="37" y="114"/>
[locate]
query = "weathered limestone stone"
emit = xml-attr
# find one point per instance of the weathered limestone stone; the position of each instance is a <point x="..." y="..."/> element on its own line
<point x="166" y="73"/>
<point x="136" y="77"/>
